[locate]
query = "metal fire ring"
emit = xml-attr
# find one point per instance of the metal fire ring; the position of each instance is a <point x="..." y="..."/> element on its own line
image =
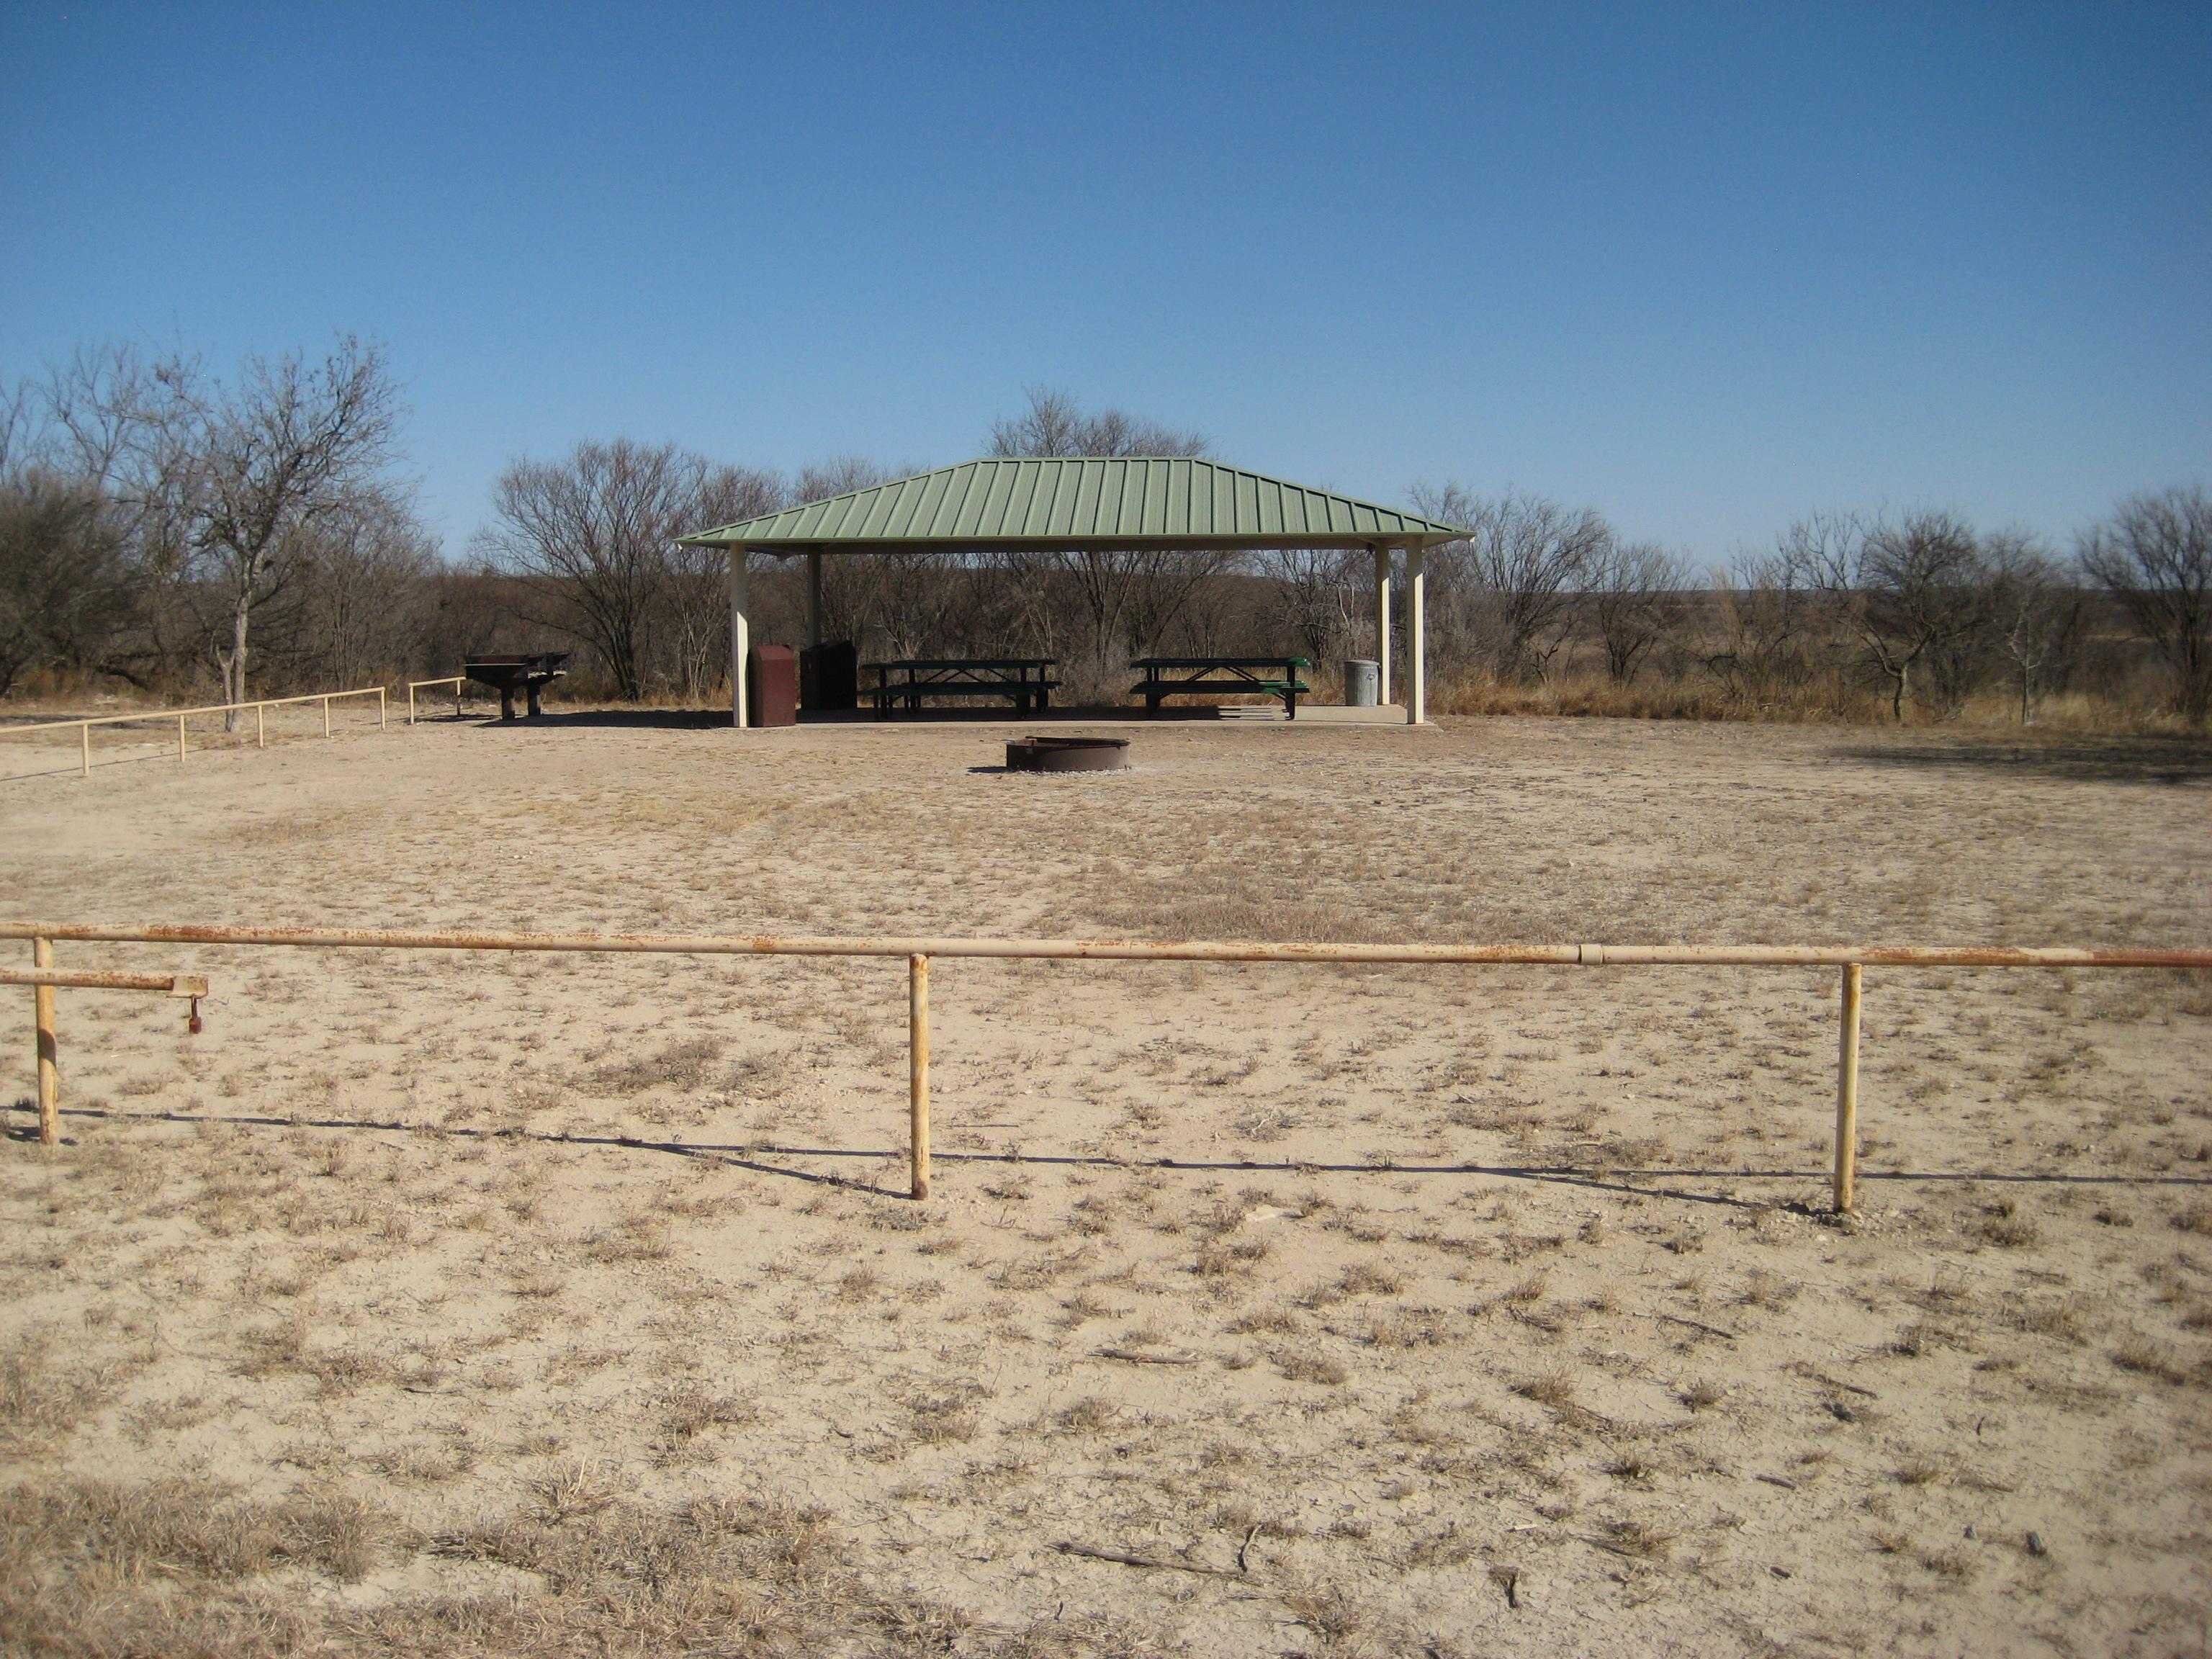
<point x="1067" y="754"/>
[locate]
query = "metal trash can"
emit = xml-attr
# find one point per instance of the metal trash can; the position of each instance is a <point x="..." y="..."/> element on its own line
<point x="829" y="676"/>
<point x="1362" y="682"/>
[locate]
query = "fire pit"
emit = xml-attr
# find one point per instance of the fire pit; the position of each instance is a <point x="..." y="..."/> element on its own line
<point x="524" y="672"/>
<point x="1067" y="754"/>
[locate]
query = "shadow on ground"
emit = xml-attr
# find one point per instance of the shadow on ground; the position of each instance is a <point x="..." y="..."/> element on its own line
<point x="1646" y="1182"/>
<point x="2084" y="760"/>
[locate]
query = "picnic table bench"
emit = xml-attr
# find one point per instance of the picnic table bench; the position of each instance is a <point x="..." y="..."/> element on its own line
<point x="1025" y="681"/>
<point x="1168" y="677"/>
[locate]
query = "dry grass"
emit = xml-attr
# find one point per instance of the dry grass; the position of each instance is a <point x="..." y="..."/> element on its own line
<point x="1339" y="1299"/>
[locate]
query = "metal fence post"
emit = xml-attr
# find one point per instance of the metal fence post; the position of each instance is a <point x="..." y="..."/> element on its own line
<point x="84" y="735"/>
<point x="260" y="726"/>
<point x="326" y="717"/>
<point x="917" y="1030"/>
<point x="1847" y="1091"/>
<point x="42" y="956"/>
<point x="180" y="739"/>
<point x="379" y="708"/>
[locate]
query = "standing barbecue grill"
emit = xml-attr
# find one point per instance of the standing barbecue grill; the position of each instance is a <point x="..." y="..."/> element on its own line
<point x="524" y="672"/>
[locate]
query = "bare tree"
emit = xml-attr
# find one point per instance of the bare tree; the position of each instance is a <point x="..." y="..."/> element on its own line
<point x="1055" y="424"/>
<point x="364" y="581"/>
<point x="854" y="592"/>
<point x="1514" y="585"/>
<point x="1129" y="597"/>
<point x="2035" y="614"/>
<point x="696" y="600"/>
<point x="1633" y="594"/>
<point x="1913" y="592"/>
<point x="291" y="445"/>
<point x="1770" y="629"/>
<point x="130" y="431"/>
<point x="1315" y="596"/>
<point x="62" y="588"/>
<point x="589" y="541"/>
<point x="2155" y="558"/>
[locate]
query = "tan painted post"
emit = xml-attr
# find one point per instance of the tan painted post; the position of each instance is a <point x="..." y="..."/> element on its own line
<point x="1847" y="1091"/>
<point x="326" y="717"/>
<point x="917" y="1034"/>
<point x="84" y="735"/>
<point x="379" y="708"/>
<point x="1417" y="644"/>
<point x="741" y="634"/>
<point x="260" y="726"/>
<point x="180" y="739"/>
<point x="410" y="703"/>
<point x="1383" y="625"/>
<point x="460" y="684"/>
<point x="42" y="956"/>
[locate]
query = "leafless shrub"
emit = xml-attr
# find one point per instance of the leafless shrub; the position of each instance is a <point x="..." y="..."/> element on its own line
<point x="1702" y="1394"/>
<point x="635" y="1238"/>
<point x="2004" y="1226"/>
<point x="1090" y="1415"/>
<point x="1555" y="1389"/>
<point x="1330" y="1614"/>
<point x="680" y="1064"/>
<point x="1312" y="1365"/>
<point x="2147" y="1359"/>
<point x="1363" y="1279"/>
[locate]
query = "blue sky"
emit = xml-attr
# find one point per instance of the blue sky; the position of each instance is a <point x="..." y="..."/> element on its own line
<point x="1705" y="268"/>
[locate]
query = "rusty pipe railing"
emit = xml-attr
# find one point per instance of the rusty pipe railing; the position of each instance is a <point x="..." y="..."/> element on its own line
<point x="83" y="727"/>
<point x="45" y="978"/>
<point x="1851" y="959"/>
<point x="802" y="945"/>
<point x="458" y="682"/>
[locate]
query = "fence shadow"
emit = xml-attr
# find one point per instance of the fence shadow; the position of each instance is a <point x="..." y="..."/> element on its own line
<point x="2073" y="760"/>
<point x="635" y="720"/>
<point x="1642" y="1181"/>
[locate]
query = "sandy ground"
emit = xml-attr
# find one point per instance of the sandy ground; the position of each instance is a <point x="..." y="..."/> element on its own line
<point x="1438" y="1311"/>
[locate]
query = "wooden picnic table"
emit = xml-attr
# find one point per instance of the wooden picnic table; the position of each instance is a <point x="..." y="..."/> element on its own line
<point x="1168" y="677"/>
<point x="1025" y="681"/>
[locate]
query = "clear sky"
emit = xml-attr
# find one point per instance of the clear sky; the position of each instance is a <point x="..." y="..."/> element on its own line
<point x="1704" y="268"/>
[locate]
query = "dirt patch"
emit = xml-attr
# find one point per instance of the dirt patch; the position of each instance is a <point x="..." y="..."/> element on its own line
<point x="506" y="1304"/>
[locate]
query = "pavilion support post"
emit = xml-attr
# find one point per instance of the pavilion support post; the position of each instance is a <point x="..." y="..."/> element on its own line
<point x="814" y="598"/>
<point x="741" y="635"/>
<point x="1417" y="644"/>
<point x="1382" y="625"/>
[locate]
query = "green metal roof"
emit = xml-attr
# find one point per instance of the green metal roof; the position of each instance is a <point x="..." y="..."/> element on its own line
<point x="1083" y="502"/>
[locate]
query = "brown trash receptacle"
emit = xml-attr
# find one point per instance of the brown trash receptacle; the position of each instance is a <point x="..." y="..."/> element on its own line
<point x="772" y="685"/>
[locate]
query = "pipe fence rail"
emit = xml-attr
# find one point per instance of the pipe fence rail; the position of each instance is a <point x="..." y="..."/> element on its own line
<point x="458" y="682"/>
<point x="1851" y="960"/>
<point x="83" y="727"/>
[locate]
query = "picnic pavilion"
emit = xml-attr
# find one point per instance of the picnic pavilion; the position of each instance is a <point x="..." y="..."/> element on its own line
<point x="1082" y="504"/>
